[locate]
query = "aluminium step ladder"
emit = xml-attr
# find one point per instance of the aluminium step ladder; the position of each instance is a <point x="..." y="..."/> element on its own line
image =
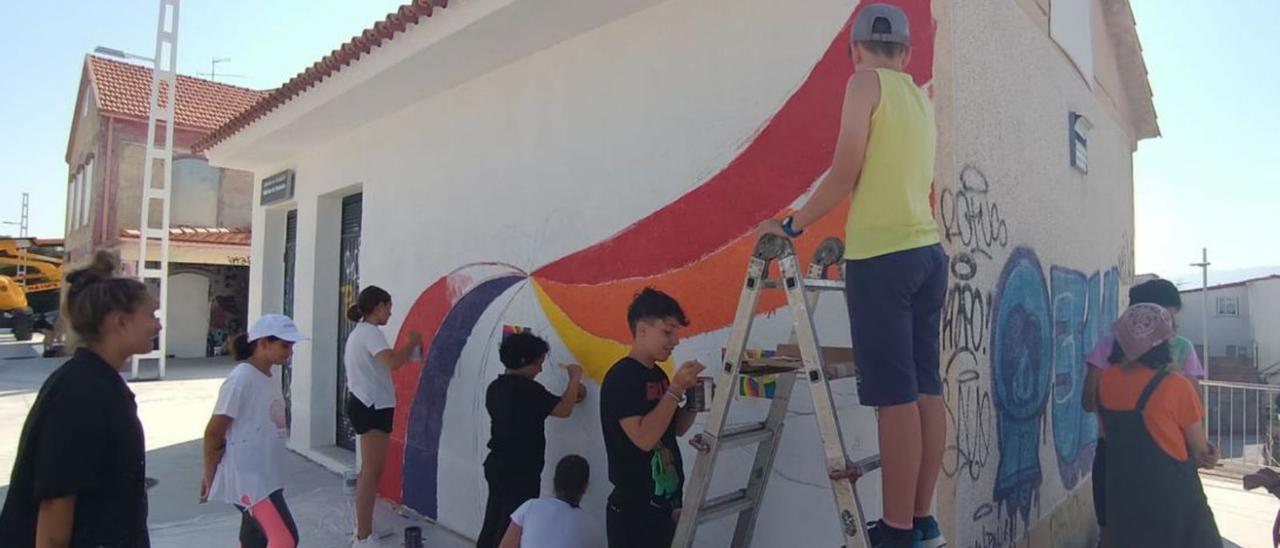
<point x="814" y="364"/>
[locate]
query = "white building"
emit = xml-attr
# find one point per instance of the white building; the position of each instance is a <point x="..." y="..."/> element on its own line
<point x="1244" y="324"/>
<point x="534" y="163"/>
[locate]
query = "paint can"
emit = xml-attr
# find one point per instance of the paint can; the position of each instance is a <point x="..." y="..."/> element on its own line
<point x="413" y="537"/>
<point x="349" y="482"/>
<point x="699" y="396"/>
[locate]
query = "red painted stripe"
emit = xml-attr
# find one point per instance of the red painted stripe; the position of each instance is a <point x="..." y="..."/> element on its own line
<point x="787" y="156"/>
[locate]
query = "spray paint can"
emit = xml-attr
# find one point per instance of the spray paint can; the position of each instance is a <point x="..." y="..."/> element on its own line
<point x="415" y="355"/>
<point x="413" y="537"/>
<point x="700" y="394"/>
<point x="349" y="482"/>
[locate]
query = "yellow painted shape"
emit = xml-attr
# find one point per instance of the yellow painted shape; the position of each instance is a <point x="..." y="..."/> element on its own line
<point x="595" y="354"/>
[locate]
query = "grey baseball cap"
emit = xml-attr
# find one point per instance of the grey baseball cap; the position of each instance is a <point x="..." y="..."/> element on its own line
<point x="881" y="23"/>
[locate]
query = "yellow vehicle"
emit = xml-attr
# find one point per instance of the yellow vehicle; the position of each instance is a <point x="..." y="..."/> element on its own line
<point x="30" y="284"/>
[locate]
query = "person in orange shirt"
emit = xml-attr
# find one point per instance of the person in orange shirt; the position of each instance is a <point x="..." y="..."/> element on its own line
<point x="1155" y="441"/>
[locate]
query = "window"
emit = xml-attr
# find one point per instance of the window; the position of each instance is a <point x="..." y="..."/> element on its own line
<point x="1228" y="306"/>
<point x="87" y="199"/>
<point x="1071" y="26"/>
<point x="1241" y="351"/>
<point x="71" y="204"/>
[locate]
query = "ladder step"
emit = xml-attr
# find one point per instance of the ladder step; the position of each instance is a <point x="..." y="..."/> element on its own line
<point x="744" y="434"/>
<point x="814" y="284"/>
<point x="154" y="194"/>
<point x="775" y="365"/>
<point x="724" y="505"/>
<point x="155" y="273"/>
<point x="155" y="233"/>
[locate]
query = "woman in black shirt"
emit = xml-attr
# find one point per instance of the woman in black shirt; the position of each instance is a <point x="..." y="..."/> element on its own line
<point x="78" y="479"/>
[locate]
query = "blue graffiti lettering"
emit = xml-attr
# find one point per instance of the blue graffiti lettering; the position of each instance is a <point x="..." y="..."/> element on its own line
<point x="1022" y="366"/>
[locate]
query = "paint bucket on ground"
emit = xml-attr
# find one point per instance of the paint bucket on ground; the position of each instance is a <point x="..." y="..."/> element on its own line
<point x="349" y="482"/>
<point x="413" y="537"/>
<point x="700" y="395"/>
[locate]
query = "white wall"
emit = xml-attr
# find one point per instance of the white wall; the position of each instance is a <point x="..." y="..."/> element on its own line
<point x="1018" y="460"/>
<point x="195" y="193"/>
<point x="535" y="161"/>
<point x="1223" y="330"/>
<point x="556" y="152"/>
<point x="1264" y="315"/>
<point x="188" y="315"/>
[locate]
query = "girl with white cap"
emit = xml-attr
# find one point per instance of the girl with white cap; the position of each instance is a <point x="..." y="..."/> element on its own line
<point x="244" y="443"/>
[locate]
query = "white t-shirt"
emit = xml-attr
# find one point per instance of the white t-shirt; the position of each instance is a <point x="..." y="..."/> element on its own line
<point x="549" y="522"/>
<point x="253" y="465"/>
<point x="369" y="380"/>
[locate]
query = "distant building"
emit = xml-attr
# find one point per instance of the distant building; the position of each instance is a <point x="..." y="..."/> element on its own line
<point x="210" y="209"/>
<point x="1244" y="327"/>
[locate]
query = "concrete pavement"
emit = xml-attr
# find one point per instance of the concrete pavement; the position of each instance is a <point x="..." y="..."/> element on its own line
<point x="174" y="412"/>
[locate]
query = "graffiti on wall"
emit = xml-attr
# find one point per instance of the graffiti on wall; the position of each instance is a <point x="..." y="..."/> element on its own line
<point x="972" y="225"/>
<point x="1014" y="338"/>
<point x="1042" y="327"/>
<point x="1020" y="368"/>
<point x="1083" y="308"/>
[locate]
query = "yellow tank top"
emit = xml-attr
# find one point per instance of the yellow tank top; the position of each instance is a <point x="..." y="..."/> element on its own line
<point x="890" y="209"/>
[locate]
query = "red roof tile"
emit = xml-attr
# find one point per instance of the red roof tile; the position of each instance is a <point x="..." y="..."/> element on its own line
<point x="382" y="31"/>
<point x="125" y="89"/>
<point x="221" y="236"/>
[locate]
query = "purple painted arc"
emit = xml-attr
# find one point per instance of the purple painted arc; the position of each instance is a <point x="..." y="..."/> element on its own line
<point x="426" y="416"/>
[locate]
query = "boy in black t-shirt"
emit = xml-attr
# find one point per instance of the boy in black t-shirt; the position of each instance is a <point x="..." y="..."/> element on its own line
<point x="641" y="417"/>
<point x="518" y="409"/>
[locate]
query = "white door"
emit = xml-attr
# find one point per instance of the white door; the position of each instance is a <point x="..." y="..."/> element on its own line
<point x="188" y="327"/>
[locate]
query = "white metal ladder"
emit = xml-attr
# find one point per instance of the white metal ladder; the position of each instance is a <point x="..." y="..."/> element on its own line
<point x="811" y="365"/>
<point x="164" y="100"/>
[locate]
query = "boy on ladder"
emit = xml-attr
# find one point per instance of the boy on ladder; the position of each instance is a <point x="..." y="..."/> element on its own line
<point x="895" y="270"/>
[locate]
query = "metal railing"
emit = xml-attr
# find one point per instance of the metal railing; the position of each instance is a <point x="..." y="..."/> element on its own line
<point x="1243" y="421"/>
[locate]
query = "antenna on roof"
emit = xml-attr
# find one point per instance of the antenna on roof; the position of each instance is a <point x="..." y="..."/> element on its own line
<point x="213" y="69"/>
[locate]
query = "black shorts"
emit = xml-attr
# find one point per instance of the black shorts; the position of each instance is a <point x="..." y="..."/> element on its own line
<point x="639" y="525"/>
<point x="365" y="418"/>
<point x="895" y="313"/>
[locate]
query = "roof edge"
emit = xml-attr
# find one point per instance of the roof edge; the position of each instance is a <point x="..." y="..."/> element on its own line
<point x="349" y="52"/>
<point x="1122" y="28"/>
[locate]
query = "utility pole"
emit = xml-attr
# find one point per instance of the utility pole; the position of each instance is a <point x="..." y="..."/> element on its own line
<point x="1203" y="265"/>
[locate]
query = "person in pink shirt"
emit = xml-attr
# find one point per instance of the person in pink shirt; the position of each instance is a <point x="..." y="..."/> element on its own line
<point x="1185" y="362"/>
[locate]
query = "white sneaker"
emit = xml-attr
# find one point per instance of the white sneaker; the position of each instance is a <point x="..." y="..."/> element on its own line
<point x="366" y="542"/>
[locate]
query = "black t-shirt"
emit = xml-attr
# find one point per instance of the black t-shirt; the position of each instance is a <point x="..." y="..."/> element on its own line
<point x="630" y="389"/>
<point x="518" y="410"/>
<point x="83" y="438"/>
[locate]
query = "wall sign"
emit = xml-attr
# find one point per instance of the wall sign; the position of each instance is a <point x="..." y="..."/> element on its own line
<point x="277" y="188"/>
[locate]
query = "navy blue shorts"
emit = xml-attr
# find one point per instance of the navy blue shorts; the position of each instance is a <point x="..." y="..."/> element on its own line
<point x="895" y="314"/>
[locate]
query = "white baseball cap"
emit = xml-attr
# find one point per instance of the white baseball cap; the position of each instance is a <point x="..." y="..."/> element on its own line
<point x="275" y="325"/>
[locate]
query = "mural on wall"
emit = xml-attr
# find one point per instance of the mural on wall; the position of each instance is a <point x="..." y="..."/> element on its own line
<point x="583" y="295"/>
<point x="1013" y="356"/>
<point x="1014" y="331"/>
<point x="1021" y="368"/>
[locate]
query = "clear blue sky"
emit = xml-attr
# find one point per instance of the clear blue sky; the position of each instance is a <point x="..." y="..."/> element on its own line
<point x="1211" y="180"/>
